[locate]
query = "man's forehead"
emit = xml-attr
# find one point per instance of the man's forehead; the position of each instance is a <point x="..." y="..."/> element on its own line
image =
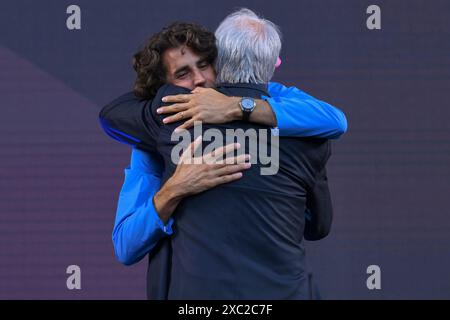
<point x="178" y="51"/>
<point x="175" y="57"/>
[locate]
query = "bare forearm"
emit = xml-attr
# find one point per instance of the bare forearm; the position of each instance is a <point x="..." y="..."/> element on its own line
<point x="166" y="200"/>
<point x="263" y="114"/>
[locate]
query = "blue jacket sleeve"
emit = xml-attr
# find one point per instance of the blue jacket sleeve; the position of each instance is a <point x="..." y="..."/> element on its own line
<point x="301" y="115"/>
<point x="137" y="227"/>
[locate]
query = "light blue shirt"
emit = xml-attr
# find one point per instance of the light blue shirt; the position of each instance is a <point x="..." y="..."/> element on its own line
<point x="138" y="228"/>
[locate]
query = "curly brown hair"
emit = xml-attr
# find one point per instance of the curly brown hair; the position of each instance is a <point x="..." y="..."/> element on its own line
<point x="150" y="69"/>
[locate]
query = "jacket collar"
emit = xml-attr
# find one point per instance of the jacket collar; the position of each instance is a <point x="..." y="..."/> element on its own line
<point x="263" y="87"/>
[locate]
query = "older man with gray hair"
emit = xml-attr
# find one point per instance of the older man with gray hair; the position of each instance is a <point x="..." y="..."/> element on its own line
<point x="245" y="240"/>
<point x="248" y="48"/>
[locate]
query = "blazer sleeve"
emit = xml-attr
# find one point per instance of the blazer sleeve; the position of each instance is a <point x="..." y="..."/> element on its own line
<point x="128" y="119"/>
<point x="133" y="120"/>
<point x="319" y="209"/>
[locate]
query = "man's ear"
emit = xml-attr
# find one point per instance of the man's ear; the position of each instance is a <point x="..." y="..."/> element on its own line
<point x="278" y="63"/>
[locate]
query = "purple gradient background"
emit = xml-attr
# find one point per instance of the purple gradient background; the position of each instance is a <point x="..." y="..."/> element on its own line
<point x="390" y="175"/>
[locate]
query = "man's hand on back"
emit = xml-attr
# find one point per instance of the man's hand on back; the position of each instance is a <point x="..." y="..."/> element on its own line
<point x="210" y="106"/>
<point x="203" y="104"/>
<point x="194" y="175"/>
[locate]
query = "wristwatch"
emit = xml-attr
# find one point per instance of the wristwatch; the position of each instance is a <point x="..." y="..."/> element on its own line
<point x="247" y="106"/>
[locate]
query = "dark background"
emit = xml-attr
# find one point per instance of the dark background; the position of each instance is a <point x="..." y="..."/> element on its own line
<point x="389" y="175"/>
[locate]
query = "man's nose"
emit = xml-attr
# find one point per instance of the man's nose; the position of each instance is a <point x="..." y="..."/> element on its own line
<point x="199" y="79"/>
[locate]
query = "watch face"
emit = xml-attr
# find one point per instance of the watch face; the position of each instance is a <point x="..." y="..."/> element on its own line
<point x="248" y="104"/>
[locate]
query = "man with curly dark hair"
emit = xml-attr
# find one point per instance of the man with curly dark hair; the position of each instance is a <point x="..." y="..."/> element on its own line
<point x="153" y="67"/>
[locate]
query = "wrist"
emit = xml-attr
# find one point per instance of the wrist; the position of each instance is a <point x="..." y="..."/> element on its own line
<point x="171" y="191"/>
<point x="235" y="111"/>
<point x="247" y="106"/>
<point x="166" y="201"/>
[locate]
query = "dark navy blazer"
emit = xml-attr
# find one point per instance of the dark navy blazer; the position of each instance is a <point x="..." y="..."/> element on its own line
<point x="242" y="240"/>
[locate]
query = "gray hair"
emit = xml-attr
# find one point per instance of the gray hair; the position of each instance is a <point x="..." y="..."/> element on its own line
<point x="248" y="48"/>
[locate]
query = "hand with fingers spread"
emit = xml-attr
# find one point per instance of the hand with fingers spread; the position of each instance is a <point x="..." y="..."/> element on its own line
<point x="203" y="104"/>
<point x="197" y="174"/>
